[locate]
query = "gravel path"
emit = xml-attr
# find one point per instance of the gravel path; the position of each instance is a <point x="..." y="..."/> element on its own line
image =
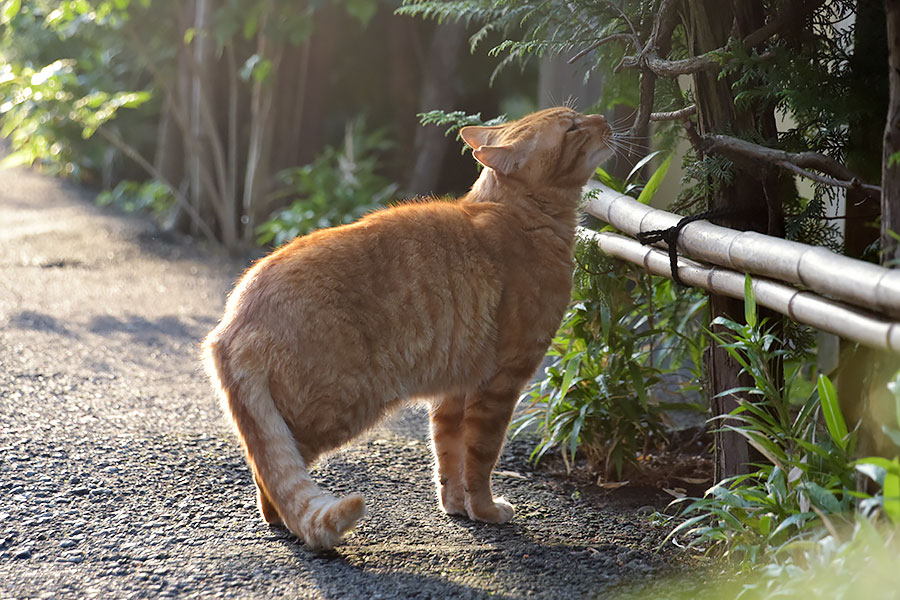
<point x="120" y="479"/>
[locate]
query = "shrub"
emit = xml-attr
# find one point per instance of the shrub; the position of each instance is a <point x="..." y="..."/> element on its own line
<point x="338" y="187"/>
<point x="623" y="332"/>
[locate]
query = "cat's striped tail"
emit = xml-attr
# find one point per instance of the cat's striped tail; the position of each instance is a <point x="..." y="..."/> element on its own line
<point x="317" y="518"/>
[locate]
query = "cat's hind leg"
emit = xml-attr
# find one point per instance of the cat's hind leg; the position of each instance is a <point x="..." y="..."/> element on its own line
<point x="319" y="519"/>
<point x="447" y="444"/>
<point x="266" y="508"/>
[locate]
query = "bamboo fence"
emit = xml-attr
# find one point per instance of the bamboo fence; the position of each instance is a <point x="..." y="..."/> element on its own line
<point x="850" y="298"/>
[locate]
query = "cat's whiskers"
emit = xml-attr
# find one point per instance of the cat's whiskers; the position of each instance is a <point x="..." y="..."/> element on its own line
<point x="626" y="120"/>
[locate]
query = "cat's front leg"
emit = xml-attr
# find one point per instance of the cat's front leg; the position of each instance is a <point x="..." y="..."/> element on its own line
<point x="486" y="418"/>
<point x="447" y="445"/>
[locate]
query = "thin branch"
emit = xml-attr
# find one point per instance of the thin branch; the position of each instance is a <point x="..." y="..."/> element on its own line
<point x="663" y="26"/>
<point x="645" y="103"/>
<point x="627" y="20"/>
<point x="694" y="137"/>
<point x="206" y="114"/>
<point x="871" y="190"/>
<point x="675" y="115"/>
<point x="837" y="175"/>
<point x="660" y="41"/>
<point x="615" y="37"/>
<point x="133" y="154"/>
<point x="177" y="111"/>
<point x="871" y="216"/>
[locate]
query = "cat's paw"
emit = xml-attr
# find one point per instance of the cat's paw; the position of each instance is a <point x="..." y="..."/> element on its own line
<point x="498" y="511"/>
<point x="453" y="500"/>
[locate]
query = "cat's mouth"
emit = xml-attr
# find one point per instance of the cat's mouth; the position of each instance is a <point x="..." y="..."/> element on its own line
<point x="600" y="155"/>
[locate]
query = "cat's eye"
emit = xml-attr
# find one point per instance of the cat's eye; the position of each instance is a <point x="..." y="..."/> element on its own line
<point x="574" y="127"/>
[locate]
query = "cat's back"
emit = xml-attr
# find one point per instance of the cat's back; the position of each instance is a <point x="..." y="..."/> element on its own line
<point x="385" y="250"/>
<point x="412" y="280"/>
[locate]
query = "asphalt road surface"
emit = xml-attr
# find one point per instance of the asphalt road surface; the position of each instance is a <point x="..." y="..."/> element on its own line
<point x="119" y="478"/>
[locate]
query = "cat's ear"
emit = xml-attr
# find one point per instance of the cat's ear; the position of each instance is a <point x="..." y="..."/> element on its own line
<point x="499" y="158"/>
<point x="478" y="136"/>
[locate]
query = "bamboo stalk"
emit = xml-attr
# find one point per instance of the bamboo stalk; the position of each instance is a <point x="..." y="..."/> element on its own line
<point x="846" y="279"/>
<point x="801" y="306"/>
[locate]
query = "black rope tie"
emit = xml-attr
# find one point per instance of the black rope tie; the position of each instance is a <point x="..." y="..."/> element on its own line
<point x="670" y="237"/>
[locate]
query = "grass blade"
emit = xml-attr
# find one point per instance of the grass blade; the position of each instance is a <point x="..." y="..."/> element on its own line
<point x="837" y="427"/>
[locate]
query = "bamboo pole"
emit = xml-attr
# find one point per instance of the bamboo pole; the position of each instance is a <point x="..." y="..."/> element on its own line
<point x="826" y="273"/>
<point x="801" y="306"/>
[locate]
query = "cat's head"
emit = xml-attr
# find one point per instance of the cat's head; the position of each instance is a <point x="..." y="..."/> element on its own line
<point x="556" y="147"/>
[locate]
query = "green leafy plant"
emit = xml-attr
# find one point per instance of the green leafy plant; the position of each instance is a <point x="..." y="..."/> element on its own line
<point x="457" y="119"/>
<point x="65" y="66"/>
<point x="338" y="187"/>
<point x="626" y="334"/>
<point x="151" y="196"/>
<point x="632" y="185"/>
<point x="885" y="472"/>
<point x="808" y="471"/>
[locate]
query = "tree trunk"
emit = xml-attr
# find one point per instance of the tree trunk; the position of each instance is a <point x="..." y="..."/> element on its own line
<point x="438" y="92"/>
<point x="315" y="108"/>
<point x="868" y="67"/>
<point x="202" y="57"/>
<point x="259" y="171"/>
<point x="290" y="94"/>
<point x="752" y="196"/>
<point x="169" y="154"/>
<point x="180" y="220"/>
<point x="864" y="157"/>
<point x="890" y="174"/>
<point x="404" y="70"/>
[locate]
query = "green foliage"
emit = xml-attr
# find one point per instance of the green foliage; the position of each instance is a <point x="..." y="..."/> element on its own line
<point x="625" y="331"/>
<point x="67" y="71"/>
<point x="858" y="560"/>
<point x="655" y="181"/>
<point x="457" y="119"/>
<point x="810" y="75"/>
<point x="809" y="471"/>
<point x="70" y="68"/>
<point x="338" y="187"/>
<point x="131" y="196"/>
<point x="632" y="185"/>
<point x="840" y="566"/>
<point x="626" y="336"/>
<point x="530" y="29"/>
<point x="883" y="472"/>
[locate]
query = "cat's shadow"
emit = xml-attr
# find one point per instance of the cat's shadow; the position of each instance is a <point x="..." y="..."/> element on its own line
<point x="508" y="554"/>
<point x="343" y="573"/>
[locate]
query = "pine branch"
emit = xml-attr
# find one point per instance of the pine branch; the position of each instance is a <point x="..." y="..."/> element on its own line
<point x="615" y="37"/>
<point x="650" y="59"/>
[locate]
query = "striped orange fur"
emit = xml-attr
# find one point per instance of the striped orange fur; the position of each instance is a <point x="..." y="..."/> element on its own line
<point x="454" y="303"/>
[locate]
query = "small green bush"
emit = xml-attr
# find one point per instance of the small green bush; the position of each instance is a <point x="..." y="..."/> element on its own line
<point x="808" y="482"/>
<point x="151" y="197"/>
<point x="339" y="186"/>
<point x="624" y="331"/>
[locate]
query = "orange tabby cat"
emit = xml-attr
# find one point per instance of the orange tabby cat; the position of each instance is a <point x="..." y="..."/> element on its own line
<point x="451" y="302"/>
